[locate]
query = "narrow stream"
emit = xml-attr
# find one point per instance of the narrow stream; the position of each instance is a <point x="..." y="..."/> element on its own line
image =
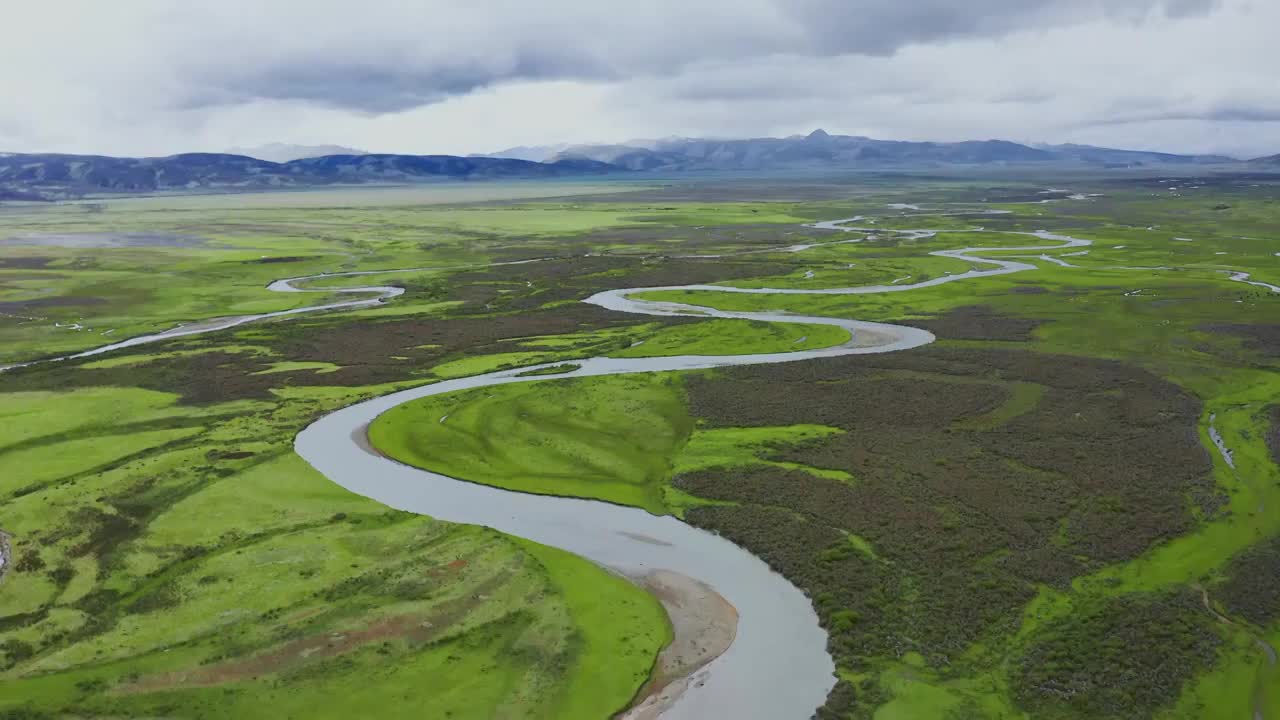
<point x="380" y="293"/>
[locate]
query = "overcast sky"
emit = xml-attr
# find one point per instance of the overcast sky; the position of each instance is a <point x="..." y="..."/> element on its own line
<point x="152" y="77"/>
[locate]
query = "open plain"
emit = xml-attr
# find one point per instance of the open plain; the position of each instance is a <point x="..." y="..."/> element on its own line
<point x="1041" y="485"/>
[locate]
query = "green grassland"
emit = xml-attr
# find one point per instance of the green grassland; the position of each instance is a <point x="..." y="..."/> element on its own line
<point x="1185" y="323"/>
<point x="123" y="268"/>
<point x="171" y="556"/>
<point x="1028" y="519"/>
<point x="172" y="559"/>
<point x="618" y="439"/>
<point x="608" y="439"/>
<point x="844" y="268"/>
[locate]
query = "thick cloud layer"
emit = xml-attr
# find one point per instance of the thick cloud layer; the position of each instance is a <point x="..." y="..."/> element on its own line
<point x="883" y="26"/>
<point x="152" y="76"/>
<point x="387" y="56"/>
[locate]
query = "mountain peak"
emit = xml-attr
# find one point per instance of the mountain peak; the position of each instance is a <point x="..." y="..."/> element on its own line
<point x="818" y="134"/>
<point x="284" y="152"/>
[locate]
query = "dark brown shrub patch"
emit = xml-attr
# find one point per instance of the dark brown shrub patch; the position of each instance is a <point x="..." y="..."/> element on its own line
<point x="1264" y="339"/>
<point x="1252" y="588"/>
<point x="1273" y="434"/>
<point x="978" y="322"/>
<point x="281" y="259"/>
<point x="1123" y="658"/>
<point x="29" y="262"/>
<point x="967" y="515"/>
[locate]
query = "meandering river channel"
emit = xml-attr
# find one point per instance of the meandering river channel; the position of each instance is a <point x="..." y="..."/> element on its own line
<point x="777" y="666"/>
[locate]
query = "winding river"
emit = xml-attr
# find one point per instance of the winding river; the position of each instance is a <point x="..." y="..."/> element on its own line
<point x="380" y="294"/>
<point x="777" y="666"/>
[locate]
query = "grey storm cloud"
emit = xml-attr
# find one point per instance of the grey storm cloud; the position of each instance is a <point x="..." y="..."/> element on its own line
<point x="1224" y="114"/>
<point x="367" y="88"/>
<point x="156" y="76"/>
<point x="387" y="57"/>
<point x="884" y="26"/>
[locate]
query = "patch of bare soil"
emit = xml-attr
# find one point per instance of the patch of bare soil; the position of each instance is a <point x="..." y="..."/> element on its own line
<point x="703" y="624"/>
<point x="872" y="338"/>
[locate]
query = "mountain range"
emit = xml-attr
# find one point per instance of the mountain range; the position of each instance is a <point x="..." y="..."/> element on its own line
<point x="46" y="176"/>
<point x="65" y="176"/>
<point x="820" y="149"/>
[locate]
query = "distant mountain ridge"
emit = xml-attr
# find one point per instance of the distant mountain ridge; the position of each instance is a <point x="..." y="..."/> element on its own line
<point x="820" y="149"/>
<point x="52" y="176"/>
<point x="63" y="176"/>
<point x="284" y="152"/>
<point x="1093" y="155"/>
<point x="533" y="153"/>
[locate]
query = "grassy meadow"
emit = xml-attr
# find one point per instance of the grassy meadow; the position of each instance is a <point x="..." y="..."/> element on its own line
<point x="1028" y="519"/>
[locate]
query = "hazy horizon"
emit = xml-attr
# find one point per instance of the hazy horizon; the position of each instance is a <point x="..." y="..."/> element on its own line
<point x="255" y="150"/>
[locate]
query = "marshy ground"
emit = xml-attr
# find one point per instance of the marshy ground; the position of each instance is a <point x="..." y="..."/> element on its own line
<point x="1026" y="519"/>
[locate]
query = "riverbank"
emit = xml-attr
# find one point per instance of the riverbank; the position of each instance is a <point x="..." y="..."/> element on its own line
<point x="703" y="624"/>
